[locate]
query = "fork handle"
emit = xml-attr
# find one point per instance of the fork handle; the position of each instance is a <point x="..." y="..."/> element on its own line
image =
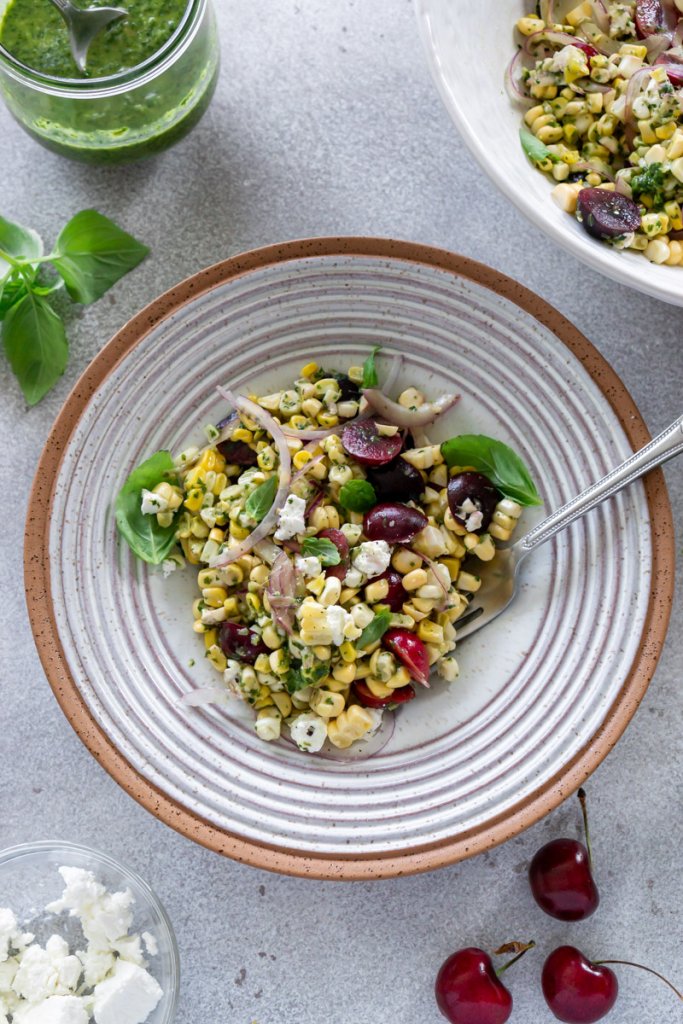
<point x="663" y="447"/>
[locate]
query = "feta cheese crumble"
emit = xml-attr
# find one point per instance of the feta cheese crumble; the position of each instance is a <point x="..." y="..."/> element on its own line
<point x="108" y="982"/>
<point x="372" y="557"/>
<point x="309" y="566"/>
<point x="291" y="518"/>
<point x="152" y="503"/>
<point x="309" y="732"/>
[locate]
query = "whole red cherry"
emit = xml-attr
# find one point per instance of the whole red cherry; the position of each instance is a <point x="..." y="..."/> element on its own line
<point x="561" y="878"/>
<point x="577" y="990"/>
<point x="468" y="990"/>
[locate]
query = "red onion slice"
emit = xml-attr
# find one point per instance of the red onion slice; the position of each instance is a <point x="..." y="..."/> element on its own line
<point x="265" y="527"/>
<point x="513" y="84"/>
<point x="408" y="418"/>
<point x="656" y="45"/>
<point x="205" y="695"/>
<point x="634" y="87"/>
<point x="432" y="565"/>
<point x="601" y="16"/>
<point x="309" y="465"/>
<point x="281" y="590"/>
<point x="590" y="168"/>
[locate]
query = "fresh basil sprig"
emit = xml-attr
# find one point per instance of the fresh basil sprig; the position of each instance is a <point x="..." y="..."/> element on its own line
<point x="357" y="496"/>
<point x="375" y="629"/>
<point x="497" y="461"/>
<point x="90" y="255"/>
<point x="322" y="548"/>
<point x="261" y="498"/>
<point x="149" y="541"/>
<point x="370" y="378"/>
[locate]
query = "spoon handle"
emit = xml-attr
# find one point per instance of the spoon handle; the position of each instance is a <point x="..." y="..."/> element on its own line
<point x="663" y="447"/>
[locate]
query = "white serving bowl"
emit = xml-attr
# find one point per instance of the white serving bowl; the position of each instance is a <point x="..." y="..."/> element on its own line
<point x="469" y="47"/>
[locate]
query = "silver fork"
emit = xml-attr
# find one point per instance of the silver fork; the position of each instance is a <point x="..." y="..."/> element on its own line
<point x="84" y="23"/>
<point x="500" y="576"/>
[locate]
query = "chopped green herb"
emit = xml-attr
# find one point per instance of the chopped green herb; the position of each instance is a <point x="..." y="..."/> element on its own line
<point x="357" y="496"/>
<point x="370" y="378"/>
<point x="375" y="629"/>
<point x="259" y="501"/>
<point x="321" y="548"/>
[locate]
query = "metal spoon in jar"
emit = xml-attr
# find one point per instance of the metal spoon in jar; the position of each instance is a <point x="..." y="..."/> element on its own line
<point x="84" y="24"/>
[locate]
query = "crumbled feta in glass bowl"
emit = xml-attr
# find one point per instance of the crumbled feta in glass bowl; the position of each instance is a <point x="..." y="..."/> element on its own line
<point x="82" y="939"/>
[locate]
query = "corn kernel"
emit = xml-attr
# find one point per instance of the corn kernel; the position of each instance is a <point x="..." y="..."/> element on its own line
<point x="216" y="657"/>
<point x="214" y="596"/>
<point x="377" y="591"/>
<point x="430" y="632"/>
<point x="210" y="638"/>
<point x="344" y="673"/>
<point x="377" y="688"/>
<point x="326" y="703"/>
<point x="415" y="579"/>
<point x="348" y="653"/>
<point x="467" y="582"/>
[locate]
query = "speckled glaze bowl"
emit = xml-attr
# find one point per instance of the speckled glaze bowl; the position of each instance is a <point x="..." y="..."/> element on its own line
<point x="30" y="879"/>
<point x="544" y="692"/>
<point x="468" y="47"/>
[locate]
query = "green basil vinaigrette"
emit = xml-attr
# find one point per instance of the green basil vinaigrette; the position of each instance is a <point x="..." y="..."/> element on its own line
<point x="115" y="112"/>
<point x="34" y="32"/>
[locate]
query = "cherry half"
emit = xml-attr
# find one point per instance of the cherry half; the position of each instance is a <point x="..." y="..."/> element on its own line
<point x="561" y="876"/>
<point x="579" y="990"/>
<point x="468" y="989"/>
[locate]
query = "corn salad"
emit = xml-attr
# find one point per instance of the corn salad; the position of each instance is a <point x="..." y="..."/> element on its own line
<point x="605" y="116"/>
<point x="361" y="619"/>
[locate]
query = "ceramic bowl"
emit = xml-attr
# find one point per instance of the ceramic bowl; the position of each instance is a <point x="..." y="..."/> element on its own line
<point x="30" y="879"/>
<point x="468" y="47"/>
<point x="544" y="692"/>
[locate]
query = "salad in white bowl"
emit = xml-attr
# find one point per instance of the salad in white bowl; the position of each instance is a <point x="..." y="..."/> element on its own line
<point x="602" y="83"/>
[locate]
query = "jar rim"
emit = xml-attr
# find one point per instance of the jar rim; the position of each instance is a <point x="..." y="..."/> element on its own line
<point x="149" y="68"/>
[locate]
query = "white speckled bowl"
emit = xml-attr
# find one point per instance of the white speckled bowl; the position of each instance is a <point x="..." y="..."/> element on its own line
<point x="30" y="879"/>
<point x="469" y="46"/>
<point x="544" y="692"/>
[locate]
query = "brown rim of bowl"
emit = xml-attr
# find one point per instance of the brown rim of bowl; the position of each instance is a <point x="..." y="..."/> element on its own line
<point x="281" y="859"/>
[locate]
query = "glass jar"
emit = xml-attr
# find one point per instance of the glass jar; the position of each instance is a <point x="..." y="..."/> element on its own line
<point x="125" y="116"/>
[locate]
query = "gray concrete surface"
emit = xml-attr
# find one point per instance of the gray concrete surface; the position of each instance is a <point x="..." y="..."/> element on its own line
<point x="326" y="122"/>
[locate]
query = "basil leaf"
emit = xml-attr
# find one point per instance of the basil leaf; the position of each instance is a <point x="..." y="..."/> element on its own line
<point x="370" y="379"/>
<point x="321" y="548"/>
<point x="11" y="291"/>
<point x="149" y="541"/>
<point x="500" y="464"/>
<point x="533" y="147"/>
<point x="259" y="501"/>
<point x="375" y="629"/>
<point x="19" y="242"/>
<point x="357" y="496"/>
<point x="35" y="344"/>
<point x="92" y="253"/>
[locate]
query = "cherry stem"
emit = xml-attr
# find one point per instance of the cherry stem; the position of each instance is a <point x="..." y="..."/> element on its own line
<point x="582" y="800"/>
<point x="629" y="963"/>
<point x="520" y="948"/>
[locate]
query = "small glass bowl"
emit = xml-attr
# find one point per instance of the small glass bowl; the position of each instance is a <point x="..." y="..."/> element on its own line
<point x="30" y="879"/>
